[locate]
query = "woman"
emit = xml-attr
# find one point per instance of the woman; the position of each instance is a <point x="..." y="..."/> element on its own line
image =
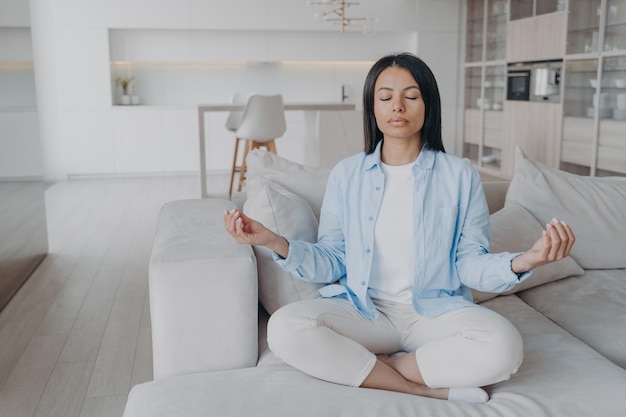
<point x="404" y="227"/>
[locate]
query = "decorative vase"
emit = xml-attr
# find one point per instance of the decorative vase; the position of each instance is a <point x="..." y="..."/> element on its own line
<point x="126" y="99"/>
<point x="134" y="99"/>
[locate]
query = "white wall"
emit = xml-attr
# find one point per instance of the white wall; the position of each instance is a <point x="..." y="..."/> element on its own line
<point x="75" y="40"/>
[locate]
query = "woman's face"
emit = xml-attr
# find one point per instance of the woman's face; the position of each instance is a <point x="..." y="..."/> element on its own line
<point x="398" y="106"/>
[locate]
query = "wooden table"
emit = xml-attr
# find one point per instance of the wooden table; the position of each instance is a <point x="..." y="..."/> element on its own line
<point x="234" y="107"/>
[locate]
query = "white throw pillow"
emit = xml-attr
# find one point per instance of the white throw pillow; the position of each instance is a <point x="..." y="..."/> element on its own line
<point x="289" y="215"/>
<point x="513" y="229"/>
<point x="306" y="181"/>
<point x="595" y="207"/>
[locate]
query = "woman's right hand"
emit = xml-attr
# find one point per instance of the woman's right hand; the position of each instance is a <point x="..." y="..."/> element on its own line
<point x="246" y="230"/>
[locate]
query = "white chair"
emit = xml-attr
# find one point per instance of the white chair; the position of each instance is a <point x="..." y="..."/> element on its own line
<point x="262" y="121"/>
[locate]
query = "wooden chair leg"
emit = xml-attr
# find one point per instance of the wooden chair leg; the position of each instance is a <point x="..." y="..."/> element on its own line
<point x="271" y="146"/>
<point x="250" y="145"/>
<point x="244" y="167"/>
<point x="234" y="169"/>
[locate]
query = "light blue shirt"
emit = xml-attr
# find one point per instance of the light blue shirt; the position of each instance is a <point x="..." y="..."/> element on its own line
<point x="451" y="229"/>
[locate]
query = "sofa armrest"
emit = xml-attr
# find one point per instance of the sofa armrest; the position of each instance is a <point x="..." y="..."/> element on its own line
<point x="203" y="292"/>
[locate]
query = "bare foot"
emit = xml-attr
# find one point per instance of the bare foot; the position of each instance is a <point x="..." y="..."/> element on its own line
<point x="384" y="377"/>
<point x="470" y="395"/>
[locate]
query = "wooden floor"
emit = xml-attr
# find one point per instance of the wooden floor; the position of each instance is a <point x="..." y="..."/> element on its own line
<point x="76" y="337"/>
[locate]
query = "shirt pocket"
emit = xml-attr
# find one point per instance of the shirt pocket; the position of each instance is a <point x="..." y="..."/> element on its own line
<point x="445" y="224"/>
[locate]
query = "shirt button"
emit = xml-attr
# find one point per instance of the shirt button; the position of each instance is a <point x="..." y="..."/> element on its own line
<point x="371" y="218"/>
<point x="377" y="188"/>
<point x="367" y="251"/>
<point x="363" y="282"/>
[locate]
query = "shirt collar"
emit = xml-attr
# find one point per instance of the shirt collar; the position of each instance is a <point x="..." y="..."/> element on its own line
<point x="425" y="160"/>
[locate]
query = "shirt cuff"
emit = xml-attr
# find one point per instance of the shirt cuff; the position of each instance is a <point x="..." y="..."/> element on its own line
<point x="522" y="276"/>
<point x="294" y="257"/>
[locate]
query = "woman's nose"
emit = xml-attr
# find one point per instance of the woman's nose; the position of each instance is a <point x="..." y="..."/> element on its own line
<point x="397" y="106"/>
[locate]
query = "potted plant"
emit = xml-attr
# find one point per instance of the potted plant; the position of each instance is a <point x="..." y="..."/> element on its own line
<point x="126" y="84"/>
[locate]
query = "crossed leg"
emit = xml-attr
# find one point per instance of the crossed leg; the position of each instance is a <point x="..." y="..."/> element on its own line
<point x="387" y="374"/>
<point x="329" y="339"/>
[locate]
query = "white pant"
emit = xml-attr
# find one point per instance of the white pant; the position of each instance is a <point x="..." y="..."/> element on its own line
<point x="330" y="340"/>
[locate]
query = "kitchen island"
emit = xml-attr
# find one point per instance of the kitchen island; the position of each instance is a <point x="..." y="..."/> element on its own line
<point x="331" y="132"/>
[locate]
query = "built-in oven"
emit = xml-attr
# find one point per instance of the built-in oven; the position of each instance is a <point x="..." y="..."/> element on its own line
<point x="518" y="83"/>
<point x="535" y="81"/>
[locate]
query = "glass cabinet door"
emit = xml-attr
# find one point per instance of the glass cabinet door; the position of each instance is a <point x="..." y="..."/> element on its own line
<point x="473" y="80"/>
<point x="615" y="33"/>
<point x="549" y="6"/>
<point x="474" y="34"/>
<point x="483" y="131"/>
<point x="581" y="105"/>
<point x="472" y="130"/>
<point x="495" y="81"/>
<point x="611" y="155"/>
<point x="583" y="26"/>
<point x="496" y="30"/>
<point x="521" y="9"/>
<point x="493" y="124"/>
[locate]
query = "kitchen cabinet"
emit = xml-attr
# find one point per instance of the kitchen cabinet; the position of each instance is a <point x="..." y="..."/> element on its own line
<point x="615" y="29"/>
<point x="485" y="79"/>
<point x="522" y="9"/>
<point x="584" y="133"/>
<point x="535" y="128"/>
<point x="537" y="39"/>
<point x="583" y="26"/>
<point x="594" y="107"/>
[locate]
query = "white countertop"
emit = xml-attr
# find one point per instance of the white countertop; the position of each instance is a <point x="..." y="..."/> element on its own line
<point x="216" y="107"/>
<point x="288" y="106"/>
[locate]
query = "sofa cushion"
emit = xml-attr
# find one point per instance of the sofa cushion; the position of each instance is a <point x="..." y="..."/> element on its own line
<point x="560" y="377"/>
<point x="594" y="207"/>
<point x="306" y="181"/>
<point x="279" y="192"/>
<point x="591" y="307"/>
<point x="289" y="215"/>
<point x="495" y="193"/>
<point x="514" y="229"/>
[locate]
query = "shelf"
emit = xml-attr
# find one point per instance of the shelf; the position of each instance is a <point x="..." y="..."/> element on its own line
<point x="18" y="109"/>
<point x="501" y="17"/>
<point x="621" y="25"/>
<point x="187" y="83"/>
<point x="589" y="29"/>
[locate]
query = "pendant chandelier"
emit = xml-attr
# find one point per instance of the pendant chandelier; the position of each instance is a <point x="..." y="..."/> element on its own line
<point x="336" y="14"/>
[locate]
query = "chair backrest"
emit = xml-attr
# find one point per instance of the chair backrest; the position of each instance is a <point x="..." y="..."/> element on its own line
<point x="263" y="118"/>
<point x="234" y="117"/>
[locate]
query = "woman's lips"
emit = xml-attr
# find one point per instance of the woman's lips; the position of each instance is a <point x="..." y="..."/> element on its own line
<point x="397" y="121"/>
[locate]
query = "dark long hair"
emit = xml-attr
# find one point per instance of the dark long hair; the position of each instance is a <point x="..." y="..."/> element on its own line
<point x="431" y="131"/>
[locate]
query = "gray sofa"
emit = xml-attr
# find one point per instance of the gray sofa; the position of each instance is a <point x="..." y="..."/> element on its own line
<point x="210" y="299"/>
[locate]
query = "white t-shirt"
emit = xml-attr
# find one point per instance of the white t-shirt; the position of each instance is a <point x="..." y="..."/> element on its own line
<point x="393" y="257"/>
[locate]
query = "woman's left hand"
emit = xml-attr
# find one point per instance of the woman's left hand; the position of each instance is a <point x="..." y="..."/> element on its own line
<point x="554" y="244"/>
